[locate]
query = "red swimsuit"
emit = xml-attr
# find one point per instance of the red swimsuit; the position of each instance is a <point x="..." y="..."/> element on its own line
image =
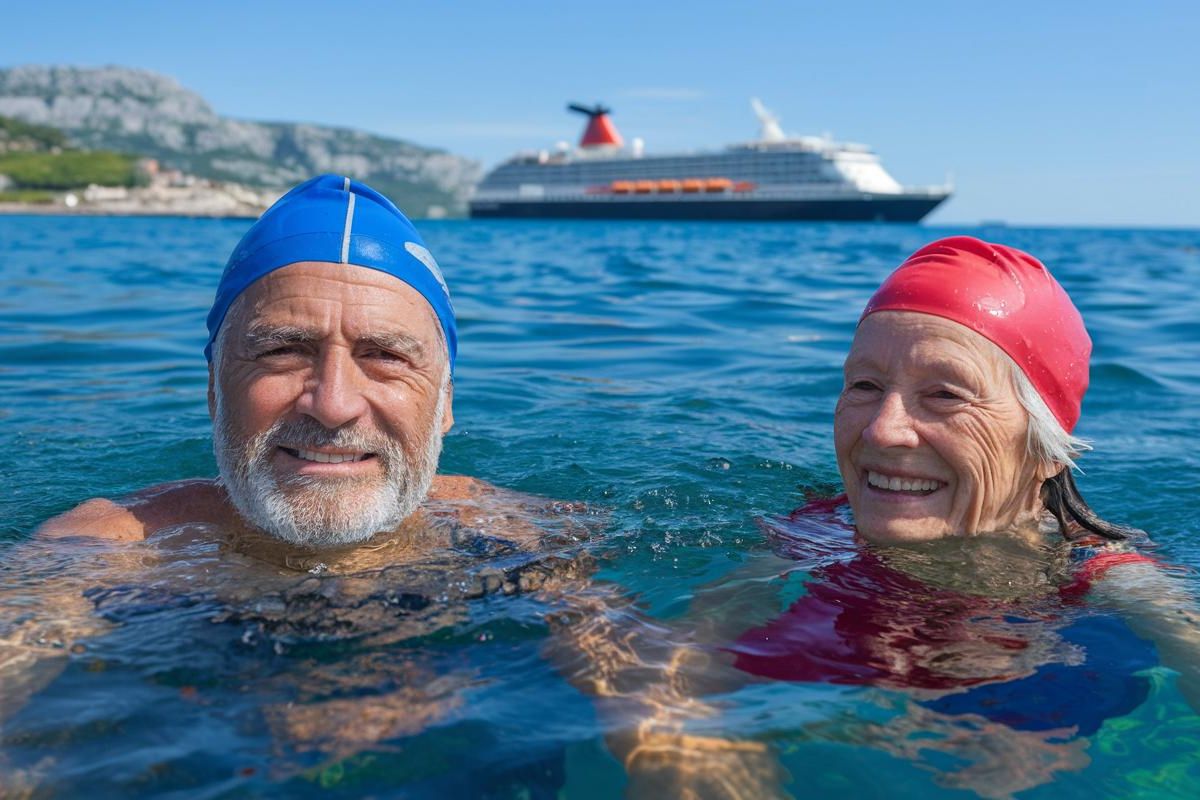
<point x="865" y="623"/>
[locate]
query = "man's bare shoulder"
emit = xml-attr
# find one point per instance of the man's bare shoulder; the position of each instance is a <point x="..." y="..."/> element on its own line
<point x="142" y="514"/>
<point x="510" y="514"/>
<point x="460" y="487"/>
<point x="467" y="491"/>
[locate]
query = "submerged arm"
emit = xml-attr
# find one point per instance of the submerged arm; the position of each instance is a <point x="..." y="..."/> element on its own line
<point x="45" y="616"/>
<point x="43" y="611"/>
<point x="1159" y="607"/>
<point x="652" y="684"/>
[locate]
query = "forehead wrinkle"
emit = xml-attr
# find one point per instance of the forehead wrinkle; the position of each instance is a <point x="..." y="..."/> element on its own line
<point x="970" y="359"/>
<point x="927" y="344"/>
<point x="857" y="360"/>
<point x="348" y="282"/>
<point x="307" y="289"/>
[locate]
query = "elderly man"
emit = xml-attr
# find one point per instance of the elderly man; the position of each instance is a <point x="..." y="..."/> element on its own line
<point x="331" y="348"/>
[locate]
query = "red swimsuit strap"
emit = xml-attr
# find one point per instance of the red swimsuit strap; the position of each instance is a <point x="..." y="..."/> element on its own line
<point x="1095" y="567"/>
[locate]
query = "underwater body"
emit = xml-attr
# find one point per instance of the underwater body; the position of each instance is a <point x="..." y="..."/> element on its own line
<point x="678" y="381"/>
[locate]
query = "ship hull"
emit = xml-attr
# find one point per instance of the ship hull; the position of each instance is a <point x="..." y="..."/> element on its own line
<point x="874" y="209"/>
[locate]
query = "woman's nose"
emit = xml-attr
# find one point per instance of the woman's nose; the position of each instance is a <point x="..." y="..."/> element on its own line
<point x="892" y="425"/>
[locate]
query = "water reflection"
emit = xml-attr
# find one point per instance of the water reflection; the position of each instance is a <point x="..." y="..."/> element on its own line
<point x="320" y="656"/>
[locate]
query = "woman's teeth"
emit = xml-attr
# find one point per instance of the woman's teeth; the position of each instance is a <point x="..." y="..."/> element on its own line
<point x="893" y="484"/>
<point x="328" y="458"/>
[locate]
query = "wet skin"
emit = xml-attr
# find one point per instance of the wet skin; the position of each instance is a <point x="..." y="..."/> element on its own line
<point x="350" y="348"/>
<point x="330" y="388"/>
<point x="932" y="404"/>
<point x="345" y="346"/>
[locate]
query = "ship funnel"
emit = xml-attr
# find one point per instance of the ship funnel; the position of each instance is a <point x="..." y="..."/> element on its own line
<point x="600" y="131"/>
<point x="770" y="131"/>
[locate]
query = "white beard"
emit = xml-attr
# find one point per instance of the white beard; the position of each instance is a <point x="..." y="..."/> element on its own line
<point x="324" y="512"/>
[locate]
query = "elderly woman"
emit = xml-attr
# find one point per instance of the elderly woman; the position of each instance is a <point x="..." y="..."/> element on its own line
<point x="953" y="585"/>
<point x="953" y="438"/>
<point x="962" y="388"/>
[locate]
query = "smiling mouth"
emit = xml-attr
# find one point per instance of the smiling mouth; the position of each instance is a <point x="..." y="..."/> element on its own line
<point x="893" y="483"/>
<point x="326" y="458"/>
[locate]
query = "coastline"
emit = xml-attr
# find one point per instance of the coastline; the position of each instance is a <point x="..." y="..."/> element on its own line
<point x="186" y="198"/>
<point x="60" y="210"/>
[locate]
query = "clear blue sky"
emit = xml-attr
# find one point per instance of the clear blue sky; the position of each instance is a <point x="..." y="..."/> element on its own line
<point x="1045" y="112"/>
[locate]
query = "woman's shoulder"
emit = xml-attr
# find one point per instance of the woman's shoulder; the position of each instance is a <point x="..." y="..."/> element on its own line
<point x="1092" y="557"/>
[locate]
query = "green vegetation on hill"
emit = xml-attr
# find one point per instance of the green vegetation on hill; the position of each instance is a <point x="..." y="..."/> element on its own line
<point x="33" y="157"/>
<point x="15" y="134"/>
<point x="69" y="170"/>
<point x="28" y="196"/>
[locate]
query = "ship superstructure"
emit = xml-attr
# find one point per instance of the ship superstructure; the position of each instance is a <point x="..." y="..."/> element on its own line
<point x="773" y="177"/>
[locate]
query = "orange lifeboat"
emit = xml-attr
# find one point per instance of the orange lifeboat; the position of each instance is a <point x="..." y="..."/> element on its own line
<point x="669" y="186"/>
<point x="692" y="185"/>
<point x="744" y="186"/>
<point x="644" y="187"/>
<point x="622" y="187"/>
<point x="718" y="185"/>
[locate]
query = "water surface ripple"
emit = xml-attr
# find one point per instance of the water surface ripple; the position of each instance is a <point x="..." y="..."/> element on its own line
<point x="680" y="378"/>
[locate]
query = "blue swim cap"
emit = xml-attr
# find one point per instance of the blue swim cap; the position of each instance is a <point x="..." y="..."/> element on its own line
<point x="332" y="218"/>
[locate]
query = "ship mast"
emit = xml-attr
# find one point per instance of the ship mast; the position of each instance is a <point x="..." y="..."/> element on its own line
<point x="600" y="131"/>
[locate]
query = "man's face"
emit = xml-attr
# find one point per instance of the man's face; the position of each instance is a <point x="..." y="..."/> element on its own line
<point x="929" y="433"/>
<point x="330" y="395"/>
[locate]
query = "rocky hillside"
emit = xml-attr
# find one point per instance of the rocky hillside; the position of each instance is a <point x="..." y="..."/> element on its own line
<point x="142" y="112"/>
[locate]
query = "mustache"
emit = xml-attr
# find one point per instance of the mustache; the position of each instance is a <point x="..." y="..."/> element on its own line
<point x="307" y="432"/>
<point x="314" y="511"/>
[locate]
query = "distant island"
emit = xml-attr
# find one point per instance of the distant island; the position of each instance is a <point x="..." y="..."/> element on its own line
<point x="118" y="140"/>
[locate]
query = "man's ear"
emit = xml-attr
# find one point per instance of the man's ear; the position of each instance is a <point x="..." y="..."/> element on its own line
<point x="212" y="393"/>
<point x="448" y="414"/>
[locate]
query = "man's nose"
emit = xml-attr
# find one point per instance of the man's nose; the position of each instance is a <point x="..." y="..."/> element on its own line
<point x="333" y="392"/>
<point x="892" y="425"/>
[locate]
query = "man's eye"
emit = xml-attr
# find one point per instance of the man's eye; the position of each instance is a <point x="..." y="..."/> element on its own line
<point x="385" y="355"/>
<point x="279" y="352"/>
<point x="864" y="386"/>
<point x="946" y="394"/>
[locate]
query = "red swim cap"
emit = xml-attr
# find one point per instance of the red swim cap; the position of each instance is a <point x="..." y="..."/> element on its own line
<point x="1010" y="299"/>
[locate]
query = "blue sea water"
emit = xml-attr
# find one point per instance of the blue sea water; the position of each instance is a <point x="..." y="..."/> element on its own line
<point x="678" y="378"/>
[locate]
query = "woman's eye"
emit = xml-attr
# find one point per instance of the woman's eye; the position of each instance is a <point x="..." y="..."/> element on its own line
<point x="946" y="394"/>
<point x="864" y="386"/>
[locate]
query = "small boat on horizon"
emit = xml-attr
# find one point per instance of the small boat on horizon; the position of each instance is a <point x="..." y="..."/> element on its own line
<point x="776" y="177"/>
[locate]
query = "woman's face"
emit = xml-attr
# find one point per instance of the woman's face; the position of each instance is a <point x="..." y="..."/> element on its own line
<point x="929" y="433"/>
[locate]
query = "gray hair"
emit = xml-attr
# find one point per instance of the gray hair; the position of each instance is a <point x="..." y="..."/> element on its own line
<point x="1046" y="441"/>
<point x="1045" y="438"/>
<point x="218" y="345"/>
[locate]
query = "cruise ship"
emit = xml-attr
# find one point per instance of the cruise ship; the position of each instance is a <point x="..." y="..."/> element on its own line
<point x="776" y="177"/>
